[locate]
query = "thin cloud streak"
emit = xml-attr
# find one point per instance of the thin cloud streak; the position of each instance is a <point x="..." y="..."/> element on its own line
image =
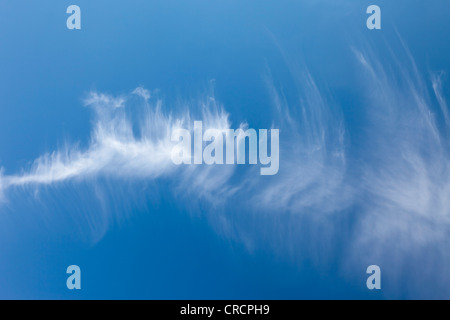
<point x="313" y="166"/>
<point x="115" y="149"/>
<point x="406" y="172"/>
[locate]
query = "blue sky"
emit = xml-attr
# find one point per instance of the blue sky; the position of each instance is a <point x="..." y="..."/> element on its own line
<point x="364" y="149"/>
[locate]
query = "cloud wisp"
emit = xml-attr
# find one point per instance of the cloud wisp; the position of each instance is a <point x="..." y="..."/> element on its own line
<point x="314" y="163"/>
<point x="118" y="147"/>
<point x="405" y="179"/>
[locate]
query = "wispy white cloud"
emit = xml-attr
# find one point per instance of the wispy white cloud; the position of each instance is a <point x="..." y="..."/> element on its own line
<point x="436" y="80"/>
<point x="130" y="144"/>
<point x="113" y="149"/>
<point x="130" y="140"/>
<point x="400" y="179"/>
<point x="313" y="167"/>
<point x="127" y="146"/>
<point x="406" y="171"/>
<point x="2" y="187"/>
